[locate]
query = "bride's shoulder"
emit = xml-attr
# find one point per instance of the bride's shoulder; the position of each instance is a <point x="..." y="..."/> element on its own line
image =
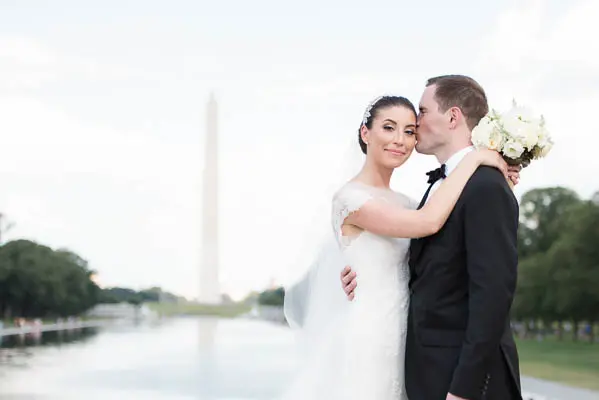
<point x="353" y="192"/>
<point x="354" y="188"/>
<point x="360" y="192"/>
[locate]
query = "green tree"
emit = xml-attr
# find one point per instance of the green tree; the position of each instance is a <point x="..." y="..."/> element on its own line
<point x="543" y="221"/>
<point x="36" y="281"/>
<point x="28" y="283"/>
<point x="540" y="218"/>
<point x="559" y="258"/>
<point x="529" y="300"/>
<point x="575" y="258"/>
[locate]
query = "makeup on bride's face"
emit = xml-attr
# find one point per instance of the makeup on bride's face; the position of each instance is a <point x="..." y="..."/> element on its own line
<point x="392" y="137"/>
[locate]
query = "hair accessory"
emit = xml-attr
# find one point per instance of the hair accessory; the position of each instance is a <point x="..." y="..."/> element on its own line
<point x="369" y="108"/>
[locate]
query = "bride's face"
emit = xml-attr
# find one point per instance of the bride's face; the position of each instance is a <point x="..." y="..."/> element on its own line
<point x="391" y="139"/>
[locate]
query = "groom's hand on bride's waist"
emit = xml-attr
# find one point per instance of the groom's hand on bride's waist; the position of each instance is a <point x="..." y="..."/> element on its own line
<point x="348" y="282"/>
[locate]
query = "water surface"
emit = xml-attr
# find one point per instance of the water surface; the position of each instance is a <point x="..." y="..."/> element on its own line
<point x="187" y="358"/>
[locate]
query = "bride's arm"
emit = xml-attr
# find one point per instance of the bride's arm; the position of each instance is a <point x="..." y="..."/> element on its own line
<point x="386" y="219"/>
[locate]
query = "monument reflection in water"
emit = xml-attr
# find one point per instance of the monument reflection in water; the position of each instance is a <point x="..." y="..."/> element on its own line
<point x="183" y="358"/>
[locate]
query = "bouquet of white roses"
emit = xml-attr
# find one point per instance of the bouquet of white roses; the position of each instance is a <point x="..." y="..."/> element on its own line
<point x="517" y="134"/>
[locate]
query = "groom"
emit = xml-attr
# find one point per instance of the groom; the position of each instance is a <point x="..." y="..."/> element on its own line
<point x="459" y="343"/>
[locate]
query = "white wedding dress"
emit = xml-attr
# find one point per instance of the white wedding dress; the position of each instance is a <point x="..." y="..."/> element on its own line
<point x="361" y="356"/>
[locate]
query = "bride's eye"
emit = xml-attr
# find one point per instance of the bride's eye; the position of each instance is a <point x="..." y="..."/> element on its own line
<point x="410" y="132"/>
<point x="388" y="127"/>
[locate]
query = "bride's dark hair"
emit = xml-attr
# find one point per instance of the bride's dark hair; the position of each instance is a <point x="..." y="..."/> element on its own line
<point x="380" y="104"/>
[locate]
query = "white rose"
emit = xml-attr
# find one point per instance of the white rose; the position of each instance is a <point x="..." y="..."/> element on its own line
<point x="518" y="113"/>
<point x="545" y="150"/>
<point x="513" y="149"/>
<point x="520" y="124"/>
<point x="531" y="133"/>
<point x="544" y="137"/>
<point x="486" y="135"/>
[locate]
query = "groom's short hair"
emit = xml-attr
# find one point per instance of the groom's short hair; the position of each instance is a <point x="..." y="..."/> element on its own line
<point x="463" y="92"/>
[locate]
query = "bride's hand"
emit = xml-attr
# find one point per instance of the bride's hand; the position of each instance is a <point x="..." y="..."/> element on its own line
<point x="492" y="158"/>
<point x="513" y="171"/>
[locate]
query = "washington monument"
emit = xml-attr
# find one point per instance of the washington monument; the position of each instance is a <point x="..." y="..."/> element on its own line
<point x="209" y="281"/>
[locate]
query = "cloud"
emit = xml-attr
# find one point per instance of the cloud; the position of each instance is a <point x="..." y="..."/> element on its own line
<point x="123" y="200"/>
<point x="506" y="49"/>
<point x="40" y="135"/>
<point x="538" y="58"/>
<point x="571" y="37"/>
<point x="29" y="64"/>
<point x="102" y="131"/>
<point x="116" y="195"/>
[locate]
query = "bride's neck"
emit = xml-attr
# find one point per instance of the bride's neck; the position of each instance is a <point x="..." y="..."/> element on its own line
<point x="375" y="175"/>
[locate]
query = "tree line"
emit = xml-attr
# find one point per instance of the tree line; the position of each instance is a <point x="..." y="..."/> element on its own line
<point x="558" y="246"/>
<point x="39" y="282"/>
<point x="126" y="295"/>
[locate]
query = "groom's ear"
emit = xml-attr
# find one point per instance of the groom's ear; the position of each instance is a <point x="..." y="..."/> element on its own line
<point x="455" y="117"/>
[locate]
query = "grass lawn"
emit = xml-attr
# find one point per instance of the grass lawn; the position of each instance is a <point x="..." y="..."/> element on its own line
<point x="223" y="310"/>
<point x="572" y="363"/>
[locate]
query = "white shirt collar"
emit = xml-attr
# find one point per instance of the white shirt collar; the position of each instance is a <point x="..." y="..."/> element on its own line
<point x="455" y="159"/>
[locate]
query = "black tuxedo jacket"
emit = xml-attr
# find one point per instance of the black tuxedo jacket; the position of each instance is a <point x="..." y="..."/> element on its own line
<point x="462" y="283"/>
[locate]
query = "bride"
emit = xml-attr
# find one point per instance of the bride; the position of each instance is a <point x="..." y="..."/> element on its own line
<point x="355" y="350"/>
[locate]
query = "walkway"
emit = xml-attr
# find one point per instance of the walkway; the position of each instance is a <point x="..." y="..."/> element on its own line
<point x="553" y="391"/>
<point x="51" y="327"/>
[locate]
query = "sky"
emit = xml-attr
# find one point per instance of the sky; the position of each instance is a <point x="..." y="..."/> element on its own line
<point x="102" y="116"/>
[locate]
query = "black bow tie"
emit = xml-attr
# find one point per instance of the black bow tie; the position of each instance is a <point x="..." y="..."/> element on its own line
<point x="436" y="174"/>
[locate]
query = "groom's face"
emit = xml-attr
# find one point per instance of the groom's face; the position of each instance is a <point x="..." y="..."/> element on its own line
<point x="433" y="125"/>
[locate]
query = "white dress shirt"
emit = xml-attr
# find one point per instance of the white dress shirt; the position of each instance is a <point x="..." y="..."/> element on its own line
<point x="450" y="165"/>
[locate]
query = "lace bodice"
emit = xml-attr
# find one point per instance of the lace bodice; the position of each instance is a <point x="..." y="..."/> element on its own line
<point x="354" y="195"/>
<point x="382" y="256"/>
<point x="377" y="320"/>
<point x="362" y="352"/>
